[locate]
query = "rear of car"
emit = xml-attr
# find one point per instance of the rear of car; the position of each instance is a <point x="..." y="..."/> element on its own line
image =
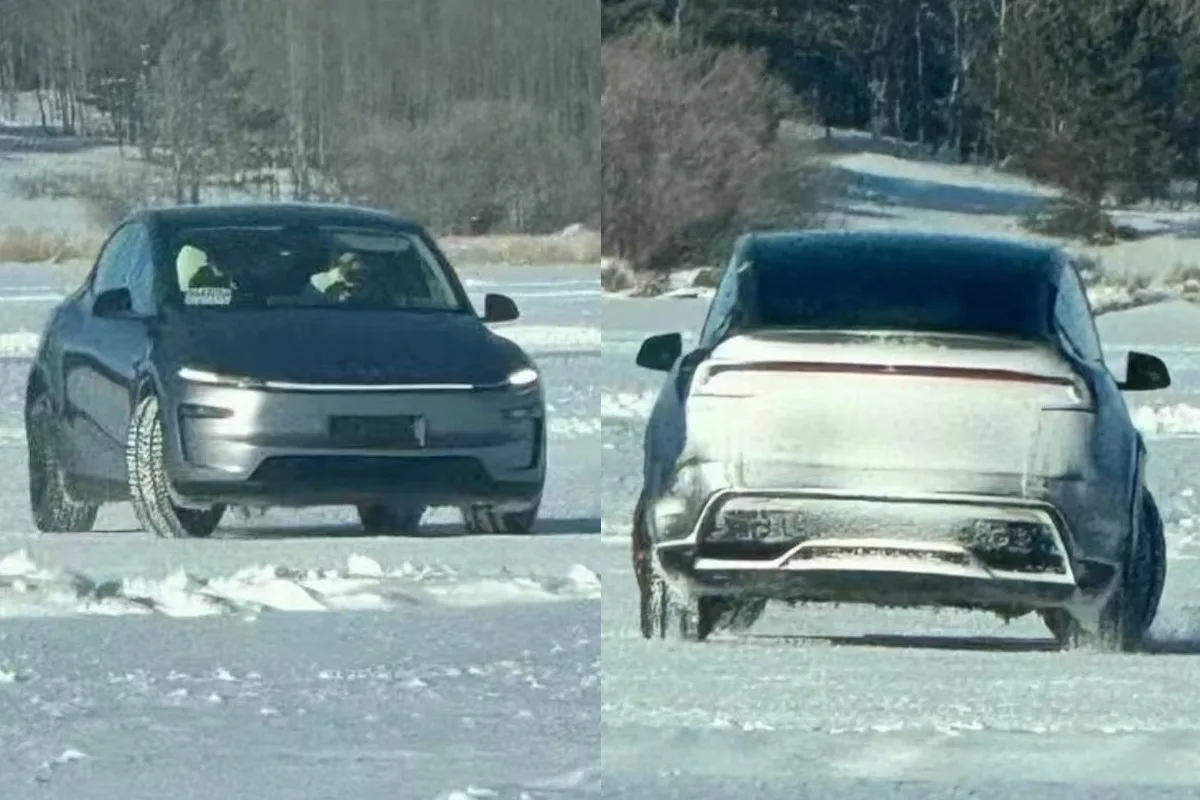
<point x="893" y="421"/>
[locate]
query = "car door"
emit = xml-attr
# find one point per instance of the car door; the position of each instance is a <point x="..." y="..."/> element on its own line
<point x="81" y="396"/>
<point x="110" y="352"/>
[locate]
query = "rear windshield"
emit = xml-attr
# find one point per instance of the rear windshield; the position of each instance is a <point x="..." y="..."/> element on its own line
<point x="246" y="266"/>
<point x="924" y="292"/>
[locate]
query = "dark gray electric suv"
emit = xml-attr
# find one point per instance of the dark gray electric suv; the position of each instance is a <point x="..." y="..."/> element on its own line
<point x="280" y="355"/>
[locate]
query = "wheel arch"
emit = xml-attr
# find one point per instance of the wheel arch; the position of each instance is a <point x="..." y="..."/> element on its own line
<point x="36" y="384"/>
<point x="142" y="387"/>
<point x="1138" y="492"/>
<point x="40" y="384"/>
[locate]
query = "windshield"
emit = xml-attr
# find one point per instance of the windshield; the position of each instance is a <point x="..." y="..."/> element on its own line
<point x="327" y="267"/>
<point x="920" y="292"/>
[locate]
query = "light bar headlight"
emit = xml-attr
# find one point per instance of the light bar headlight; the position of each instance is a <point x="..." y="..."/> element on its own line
<point x="194" y="375"/>
<point x="523" y="378"/>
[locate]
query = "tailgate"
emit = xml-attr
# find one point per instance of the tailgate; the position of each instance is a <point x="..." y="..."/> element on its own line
<point x="896" y="409"/>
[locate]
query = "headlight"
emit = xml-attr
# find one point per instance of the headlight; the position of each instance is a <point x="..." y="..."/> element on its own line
<point x="526" y="376"/>
<point x="193" y="375"/>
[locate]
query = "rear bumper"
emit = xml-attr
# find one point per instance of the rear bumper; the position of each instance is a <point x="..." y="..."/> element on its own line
<point x="275" y="448"/>
<point x="884" y="585"/>
<point x="942" y="549"/>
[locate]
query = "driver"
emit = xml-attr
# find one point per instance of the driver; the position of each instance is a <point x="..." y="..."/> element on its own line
<point x="352" y="282"/>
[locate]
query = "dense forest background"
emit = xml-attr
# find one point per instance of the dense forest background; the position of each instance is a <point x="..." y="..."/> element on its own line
<point x="482" y="115"/>
<point x="1100" y="98"/>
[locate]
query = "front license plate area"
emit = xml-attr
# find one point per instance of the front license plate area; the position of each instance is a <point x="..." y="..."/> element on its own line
<point x="379" y="432"/>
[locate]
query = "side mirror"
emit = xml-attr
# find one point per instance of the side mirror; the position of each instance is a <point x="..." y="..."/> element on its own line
<point x="113" y="303"/>
<point x="660" y="353"/>
<point x="1145" y="373"/>
<point x="499" y="308"/>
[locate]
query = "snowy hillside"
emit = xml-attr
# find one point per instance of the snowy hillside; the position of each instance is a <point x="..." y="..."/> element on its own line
<point x="59" y="195"/>
<point x="882" y="190"/>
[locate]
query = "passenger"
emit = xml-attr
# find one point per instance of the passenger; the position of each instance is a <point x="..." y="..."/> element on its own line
<point x="196" y="270"/>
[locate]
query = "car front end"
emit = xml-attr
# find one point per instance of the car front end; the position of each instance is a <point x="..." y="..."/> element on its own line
<point x="250" y="441"/>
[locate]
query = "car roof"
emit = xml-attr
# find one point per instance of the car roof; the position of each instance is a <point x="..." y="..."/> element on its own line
<point x="286" y="213"/>
<point x="1023" y="257"/>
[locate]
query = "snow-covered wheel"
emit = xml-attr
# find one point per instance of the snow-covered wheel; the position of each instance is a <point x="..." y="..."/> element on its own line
<point x="1130" y="611"/>
<point x="381" y="518"/>
<point x="149" y="490"/>
<point x="664" y="614"/>
<point x="54" y="509"/>
<point x="484" y="519"/>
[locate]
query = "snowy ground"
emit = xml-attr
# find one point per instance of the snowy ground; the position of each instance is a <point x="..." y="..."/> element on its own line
<point x="137" y="668"/>
<point x="857" y="702"/>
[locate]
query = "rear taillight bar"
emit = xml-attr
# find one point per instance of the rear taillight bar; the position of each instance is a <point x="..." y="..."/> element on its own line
<point x="916" y="371"/>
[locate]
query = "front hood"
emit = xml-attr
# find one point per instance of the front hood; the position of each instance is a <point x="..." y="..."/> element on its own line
<point x="341" y="346"/>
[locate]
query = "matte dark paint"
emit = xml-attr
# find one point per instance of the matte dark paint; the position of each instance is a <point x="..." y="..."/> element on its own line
<point x="96" y="367"/>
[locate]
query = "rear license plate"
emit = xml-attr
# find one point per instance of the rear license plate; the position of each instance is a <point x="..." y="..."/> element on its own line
<point x="400" y="432"/>
<point x="744" y="525"/>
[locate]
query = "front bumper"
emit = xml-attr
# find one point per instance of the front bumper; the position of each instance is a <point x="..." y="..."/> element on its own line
<point x="254" y="446"/>
<point x="972" y="551"/>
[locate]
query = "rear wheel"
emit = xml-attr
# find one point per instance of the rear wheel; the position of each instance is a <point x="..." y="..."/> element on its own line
<point x="382" y="518"/>
<point x="50" y="501"/>
<point x="484" y="519"/>
<point x="1130" y="611"/>
<point x="664" y="614"/>
<point x="145" y="459"/>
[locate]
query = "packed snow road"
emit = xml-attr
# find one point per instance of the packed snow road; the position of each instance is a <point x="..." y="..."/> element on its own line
<point x="840" y="702"/>
<point x="138" y="667"/>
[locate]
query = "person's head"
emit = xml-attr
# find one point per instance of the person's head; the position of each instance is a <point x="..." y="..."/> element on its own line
<point x="350" y="267"/>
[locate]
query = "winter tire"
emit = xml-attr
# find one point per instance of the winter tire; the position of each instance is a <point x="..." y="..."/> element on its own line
<point x="1129" y="613"/>
<point x="54" y="509"/>
<point x="664" y="614"/>
<point x="149" y="490"/>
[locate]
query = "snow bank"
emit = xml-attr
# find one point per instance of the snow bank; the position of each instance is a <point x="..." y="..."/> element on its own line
<point x="584" y="782"/>
<point x="627" y="405"/>
<point x="965" y="176"/>
<point x="28" y="588"/>
<point x="560" y="427"/>
<point x="20" y="344"/>
<point x="551" y="337"/>
<point x="1178" y="420"/>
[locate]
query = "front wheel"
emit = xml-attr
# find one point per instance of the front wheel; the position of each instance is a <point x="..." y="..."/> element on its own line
<point x="50" y="501"/>
<point x="1129" y="613"/>
<point x="149" y="489"/>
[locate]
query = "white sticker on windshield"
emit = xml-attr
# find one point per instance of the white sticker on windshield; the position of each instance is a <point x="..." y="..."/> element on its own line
<point x="208" y="297"/>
